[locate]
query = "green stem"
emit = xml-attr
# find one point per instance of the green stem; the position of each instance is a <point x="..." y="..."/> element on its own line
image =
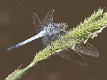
<point x="88" y="29"/>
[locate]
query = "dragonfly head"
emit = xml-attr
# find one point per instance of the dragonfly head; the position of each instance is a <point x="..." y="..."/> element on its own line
<point x="63" y="26"/>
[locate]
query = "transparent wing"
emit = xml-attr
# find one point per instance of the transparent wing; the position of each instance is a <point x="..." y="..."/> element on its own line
<point x="86" y="49"/>
<point x="47" y="20"/>
<point x="48" y="39"/>
<point x="75" y="57"/>
<point x="36" y="20"/>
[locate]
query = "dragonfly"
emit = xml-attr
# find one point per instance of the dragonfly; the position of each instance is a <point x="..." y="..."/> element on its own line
<point x="50" y="31"/>
<point x="46" y="28"/>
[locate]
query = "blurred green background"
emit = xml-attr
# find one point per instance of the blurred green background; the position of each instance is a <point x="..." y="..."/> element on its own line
<point x="16" y="26"/>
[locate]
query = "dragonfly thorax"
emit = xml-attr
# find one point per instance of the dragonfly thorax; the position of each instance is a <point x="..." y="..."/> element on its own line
<point x="54" y="28"/>
<point x="61" y="26"/>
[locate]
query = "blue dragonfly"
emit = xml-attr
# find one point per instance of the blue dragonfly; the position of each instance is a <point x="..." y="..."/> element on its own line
<point x="45" y="28"/>
<point x="50" y="31"/>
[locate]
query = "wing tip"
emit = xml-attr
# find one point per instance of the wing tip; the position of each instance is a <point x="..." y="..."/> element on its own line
<point x="96" y="54"/>
<point x="53" y="10"/>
